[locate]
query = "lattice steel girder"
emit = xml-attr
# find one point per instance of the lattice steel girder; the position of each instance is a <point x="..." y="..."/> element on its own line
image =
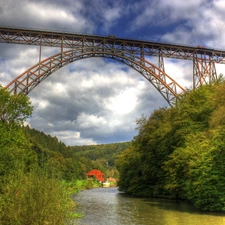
<point x="28" y="80"/>
<point x="73" y="40"/>
<point x="204" y="71"/>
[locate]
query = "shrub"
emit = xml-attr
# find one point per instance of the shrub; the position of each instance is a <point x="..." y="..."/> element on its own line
<point x="35" y="200"/>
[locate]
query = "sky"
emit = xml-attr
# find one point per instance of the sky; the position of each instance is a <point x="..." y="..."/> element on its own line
<point x="97" y="100"/>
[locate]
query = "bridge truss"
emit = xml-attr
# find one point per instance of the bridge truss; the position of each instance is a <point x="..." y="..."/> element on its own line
<point x="133" y="53"/>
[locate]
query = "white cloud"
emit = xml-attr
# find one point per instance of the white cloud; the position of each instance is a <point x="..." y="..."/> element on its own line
<point x="112" y="14"/>
<point x="194" y="22"/>
<point x="95" y="100"/>
<point x="42" y="104"/>
<point x="106" y="14"/>
<point x="49" y="12"/>
<point x="45" y="15"/>
<point x="181" y="71"/>
<point x="164" y="12"/>
<point x="204" y="24"/>
<point x="72" y="138"/>
<point x="124" y="102"/>
<point x="50" y="124"/>
<point x="60" y="90"/>
<point x="90" y="121"/>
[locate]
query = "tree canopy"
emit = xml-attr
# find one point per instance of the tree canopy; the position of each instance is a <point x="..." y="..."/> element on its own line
<point x="14" y="108"/>
<point x="179" y="152"/>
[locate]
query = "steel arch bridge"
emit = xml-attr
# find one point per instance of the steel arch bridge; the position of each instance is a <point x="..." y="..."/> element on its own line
<point x="133" y="53"/>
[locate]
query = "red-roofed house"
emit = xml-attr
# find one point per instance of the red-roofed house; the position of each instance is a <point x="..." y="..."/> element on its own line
<point x="95" y="174"/>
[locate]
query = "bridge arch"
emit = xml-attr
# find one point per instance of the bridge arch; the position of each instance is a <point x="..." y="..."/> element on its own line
<point x="29" y="79"/>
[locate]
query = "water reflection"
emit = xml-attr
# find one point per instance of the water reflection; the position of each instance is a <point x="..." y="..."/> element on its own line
<point x="107" y="206"/>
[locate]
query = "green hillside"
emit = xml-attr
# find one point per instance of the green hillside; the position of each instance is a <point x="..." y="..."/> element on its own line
<point x="73" y="162"/>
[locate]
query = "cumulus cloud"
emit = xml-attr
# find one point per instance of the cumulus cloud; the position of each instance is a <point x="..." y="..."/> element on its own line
<point x="45" y="15"/>
<point x="165" y="12"/>
<point x="85" y="121"/>
<point x="105" y="13"/>
<point x="96" y="101"/>
<point x="194" y="22"/>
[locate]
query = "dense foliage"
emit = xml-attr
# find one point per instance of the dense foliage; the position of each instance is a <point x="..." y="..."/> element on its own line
<point x="29" y="194"/>
<point x="179" y="152"/>
<point x="102" y="156"/>
<point x="38" y="173"/>
<point x="73" y="162"/>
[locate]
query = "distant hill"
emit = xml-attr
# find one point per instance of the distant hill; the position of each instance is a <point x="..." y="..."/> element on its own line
<point x="104" y="152"/>
<point x="73" y="162"/>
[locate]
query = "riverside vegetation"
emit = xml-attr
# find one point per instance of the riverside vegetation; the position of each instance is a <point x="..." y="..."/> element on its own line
<point x="179" y="152"/>
<point x="30" y="189"/>
<point x="38" y="174"/>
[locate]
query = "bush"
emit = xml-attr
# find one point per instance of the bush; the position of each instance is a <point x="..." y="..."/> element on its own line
<point x="34" y="200"/>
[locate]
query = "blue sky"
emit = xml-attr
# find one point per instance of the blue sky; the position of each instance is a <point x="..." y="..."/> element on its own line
<point x="96" y="101"/>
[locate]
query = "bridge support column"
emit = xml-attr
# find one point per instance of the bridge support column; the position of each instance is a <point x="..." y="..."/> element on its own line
<point x="142" y="55"/>
<point x="40" y="54"/>
<point x="161" y="61"/>
<point x="204" y="71"/>
<point x="161" y="65"/>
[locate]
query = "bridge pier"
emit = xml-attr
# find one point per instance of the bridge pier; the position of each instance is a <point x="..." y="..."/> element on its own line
<point x="161" y="64"/>
<point x="40" y="53"/>
<point x="204" y="71"/>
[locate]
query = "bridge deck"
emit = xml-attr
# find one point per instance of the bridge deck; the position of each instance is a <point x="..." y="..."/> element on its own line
<point x="74" y="40"/>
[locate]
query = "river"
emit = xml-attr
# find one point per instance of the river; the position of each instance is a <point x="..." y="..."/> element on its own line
<point x="108" y="206"/>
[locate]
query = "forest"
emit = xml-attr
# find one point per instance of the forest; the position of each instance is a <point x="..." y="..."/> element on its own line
<point x="179" y="152"/>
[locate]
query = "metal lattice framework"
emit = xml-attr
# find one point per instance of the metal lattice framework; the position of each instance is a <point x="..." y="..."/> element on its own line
<point x="204" y="71"/>
<point x="28" y="80"/>
<point x="131" y="52"/>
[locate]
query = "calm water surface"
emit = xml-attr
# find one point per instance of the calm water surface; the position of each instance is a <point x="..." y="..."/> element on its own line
<point x="108" y="206"/>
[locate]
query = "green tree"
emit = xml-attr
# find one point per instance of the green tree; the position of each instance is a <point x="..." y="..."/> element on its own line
<point x="193" y="112"/>
<point x="28" y="194"/>
<point x="14" y="108"/>
<point x="151" y="148"/>
<point x="196" y="172"/>
<point x="15" y="150"/>
<point x="128" y="165"/>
